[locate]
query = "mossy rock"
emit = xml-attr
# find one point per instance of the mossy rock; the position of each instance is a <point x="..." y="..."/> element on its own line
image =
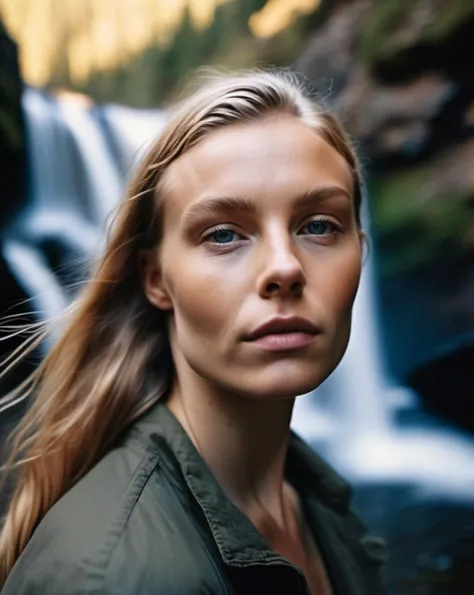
<point x="386" y="31"/>
<point x="413" y="224"/>
<point x="12" y="137"/>
<point x="11" y="133"/>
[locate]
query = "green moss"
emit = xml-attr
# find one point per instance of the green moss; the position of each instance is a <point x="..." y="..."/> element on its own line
<point x="412" y="230"/>
<point x="450" y="19"/>
<point x="10" y="126"/>
<point x="394" y="197"/>
<point x="382" y="37"/>
<point x="387" y="16"/>
<point x="10" y="130"/>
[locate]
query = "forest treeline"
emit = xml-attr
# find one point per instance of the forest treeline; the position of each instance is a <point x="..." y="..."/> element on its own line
<point x="156" y="75"/>
<point x="141" y="54"/>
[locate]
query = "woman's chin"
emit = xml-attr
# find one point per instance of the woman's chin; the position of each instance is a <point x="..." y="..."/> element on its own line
<point x="289" y="386"/>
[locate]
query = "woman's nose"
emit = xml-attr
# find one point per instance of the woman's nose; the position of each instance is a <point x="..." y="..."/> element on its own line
<point x="282" y="274"/>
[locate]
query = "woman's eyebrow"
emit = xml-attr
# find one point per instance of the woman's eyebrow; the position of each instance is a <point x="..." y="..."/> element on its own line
<point x="222" y="204"/>
<point x="219" y="204"/>
<point x="321" y="194"/>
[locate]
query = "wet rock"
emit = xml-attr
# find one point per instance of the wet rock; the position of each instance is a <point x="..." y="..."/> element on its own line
<point x="12" y="137"/>
<point x="431" y="538"/>
<point x="451" y="373"/>
<point x="331" y="55"/>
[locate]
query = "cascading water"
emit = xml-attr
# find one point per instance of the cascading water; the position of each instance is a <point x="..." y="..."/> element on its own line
<point x="79" y="159"/>
<point x="76" y="182"/>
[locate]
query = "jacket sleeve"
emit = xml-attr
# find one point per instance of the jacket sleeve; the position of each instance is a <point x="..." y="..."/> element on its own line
<point x="53" y="570"/>
<point x="43" y="575"/>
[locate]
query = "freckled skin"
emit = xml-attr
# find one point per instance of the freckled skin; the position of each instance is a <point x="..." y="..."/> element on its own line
<point x="275" y="267"/>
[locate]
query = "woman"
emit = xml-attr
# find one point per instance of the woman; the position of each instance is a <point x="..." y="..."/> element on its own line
<point x="157" y="455"/>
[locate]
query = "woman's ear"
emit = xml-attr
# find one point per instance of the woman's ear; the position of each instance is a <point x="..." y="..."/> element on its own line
<point x="152" y="280"/>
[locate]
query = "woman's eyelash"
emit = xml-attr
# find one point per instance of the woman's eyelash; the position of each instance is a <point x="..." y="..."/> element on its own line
<point x="325" y="221"/>
<point x="223" y="230"/>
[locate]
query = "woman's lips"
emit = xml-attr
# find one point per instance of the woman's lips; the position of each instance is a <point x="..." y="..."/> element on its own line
<point x="284" y="341"/>
<point x="283" y="325"/>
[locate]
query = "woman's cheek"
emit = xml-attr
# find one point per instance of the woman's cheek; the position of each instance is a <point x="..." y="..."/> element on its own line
<point x="205" y="301"/>
<point x="339" y="286"/>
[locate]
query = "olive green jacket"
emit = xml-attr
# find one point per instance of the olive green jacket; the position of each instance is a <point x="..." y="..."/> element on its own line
<point x="150" y="519"/>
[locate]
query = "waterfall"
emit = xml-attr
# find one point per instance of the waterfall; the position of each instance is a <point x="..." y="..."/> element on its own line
<point x="77" y="173"/>
<point x="79" y="159"/>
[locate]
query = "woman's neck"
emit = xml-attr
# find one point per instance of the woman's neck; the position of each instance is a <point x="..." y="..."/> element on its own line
<point x="244" y="442"/>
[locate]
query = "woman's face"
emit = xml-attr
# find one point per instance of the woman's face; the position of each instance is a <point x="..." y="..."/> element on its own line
<point x="259" y="227"/>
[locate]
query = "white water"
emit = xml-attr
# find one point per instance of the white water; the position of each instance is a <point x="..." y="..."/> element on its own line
<point x="79" y="160"/>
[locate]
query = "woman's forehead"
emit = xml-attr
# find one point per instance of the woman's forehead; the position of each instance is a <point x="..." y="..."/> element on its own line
<point x="283" y="157"/>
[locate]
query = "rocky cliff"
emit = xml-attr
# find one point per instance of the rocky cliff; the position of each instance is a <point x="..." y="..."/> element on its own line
<point x="12" y="147"/>
<point x="12" y="197"/>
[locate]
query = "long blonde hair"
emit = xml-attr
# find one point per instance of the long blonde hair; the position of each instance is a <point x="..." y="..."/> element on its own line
<point x="112" y="361"/>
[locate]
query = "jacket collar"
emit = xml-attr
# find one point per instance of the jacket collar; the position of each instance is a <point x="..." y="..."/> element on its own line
<point x="239" y="542"/>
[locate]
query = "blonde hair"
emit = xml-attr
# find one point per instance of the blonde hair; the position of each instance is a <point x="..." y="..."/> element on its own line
<point x="112" y="361"/>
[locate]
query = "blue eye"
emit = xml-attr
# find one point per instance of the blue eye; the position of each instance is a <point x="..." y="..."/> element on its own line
<point x="320" y="227"/>
<point x="222" y="236"/>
